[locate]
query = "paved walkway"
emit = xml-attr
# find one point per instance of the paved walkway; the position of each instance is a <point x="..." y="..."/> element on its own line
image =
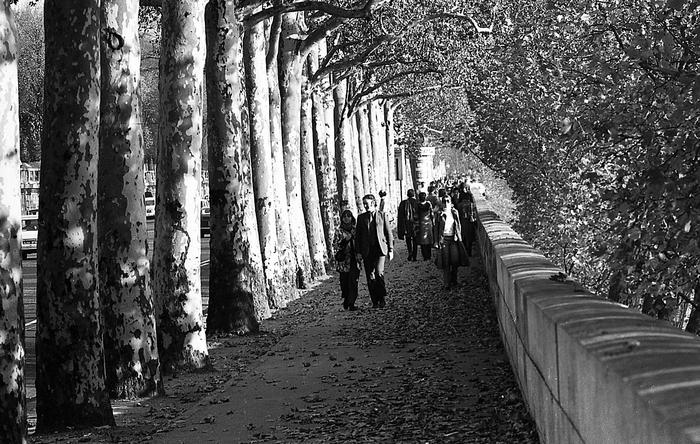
<point x="428" y="368"/>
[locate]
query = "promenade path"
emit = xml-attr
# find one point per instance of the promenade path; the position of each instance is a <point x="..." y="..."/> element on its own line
<point x="428" y="368"/>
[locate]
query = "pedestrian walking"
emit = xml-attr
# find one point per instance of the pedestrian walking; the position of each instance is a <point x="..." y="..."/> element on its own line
<point x="407" y="221"/>
<point x="424" y="226"/>
<point x="348" y="264"/>
<point x="467" y="217"/>
<point x="374" y="243"/>
<point x="450" y="252"/>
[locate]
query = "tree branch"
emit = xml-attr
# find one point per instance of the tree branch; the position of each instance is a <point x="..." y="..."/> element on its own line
<point x="324" y="7"/>
<point x="274" y="41"/>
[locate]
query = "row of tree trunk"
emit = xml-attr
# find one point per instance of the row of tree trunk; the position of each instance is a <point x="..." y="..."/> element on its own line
<point x="285" y="155"/>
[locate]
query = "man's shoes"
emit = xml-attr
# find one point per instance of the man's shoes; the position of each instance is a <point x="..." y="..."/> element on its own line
<point x="375" y="305"/>
<point x="382" y="304"/>
<point x="352" y="308"/>
<point x="345" y="305"/>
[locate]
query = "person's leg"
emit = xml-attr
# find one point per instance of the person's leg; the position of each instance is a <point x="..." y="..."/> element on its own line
<point x="370" y="273"/>
<point x="352" y="288"/>
<point x="344" y="288"/>
<point x="454" y="260"/>
<point x="425" y="251"/>
<point x="380" y="285"/>
<point x="446" y="275"/>
<point x="414" y="248"/>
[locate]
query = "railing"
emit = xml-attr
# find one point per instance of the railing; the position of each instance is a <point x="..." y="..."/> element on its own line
<point x="591" y="371"/>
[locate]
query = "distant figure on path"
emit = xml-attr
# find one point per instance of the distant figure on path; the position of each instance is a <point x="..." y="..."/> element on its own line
<point x="448" y="235"/>
<point x="374" y="243"/>
<point x="467" y="217"/>
<point x="433" y="198"/>
<point x="424" y="226"/>
<point x="346" y="258"/>
<point x="407" y="221"/>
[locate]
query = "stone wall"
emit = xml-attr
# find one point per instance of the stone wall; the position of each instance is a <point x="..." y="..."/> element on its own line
<point x="591" y="371"/>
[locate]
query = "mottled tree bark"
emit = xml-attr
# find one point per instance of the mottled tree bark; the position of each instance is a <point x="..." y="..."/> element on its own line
<point x="177" y="247"/>
<point x="377" y="137"/>
<point x="131" y="352"/>
<point x="393" y="194"/>
<point x="237" y="295"/>
<point x="366" y="154"/>
<point x="287" y="259"/>
<point x="70" y="382"/>
<point x="357" y="176"/>
<point x="309" y="187"/>
<point x="343" y="148"/>
<point x="261" y="158"/>
<point x="13" y="412"/>
<point x="290" y="64"/>
<point x="324" y="153"/>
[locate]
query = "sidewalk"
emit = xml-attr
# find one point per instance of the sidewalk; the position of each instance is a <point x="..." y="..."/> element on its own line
<point x="428" y="368"/>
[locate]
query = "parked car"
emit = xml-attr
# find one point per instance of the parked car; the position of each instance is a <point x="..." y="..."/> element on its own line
<point x="30" y="230"/>
<point x="204" y="224"/>
<point x="150" y="205"/>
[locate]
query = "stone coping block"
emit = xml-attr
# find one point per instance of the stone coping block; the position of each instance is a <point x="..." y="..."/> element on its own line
<point x="591" y="370"/>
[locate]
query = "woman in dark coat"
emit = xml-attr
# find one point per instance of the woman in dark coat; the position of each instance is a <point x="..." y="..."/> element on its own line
<point x="345" y="255"/>
<point x="448" y="241"/>
<point x="424" y="225"/>
<point x="467" y="217"/>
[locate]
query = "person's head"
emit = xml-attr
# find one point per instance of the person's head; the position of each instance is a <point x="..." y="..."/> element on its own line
<point x="431" y="188"/>
<point x="442" y="193"/>
<point x="446" y="202"/>
<point x="369" y="202"/>
<point x="411" y="193"/>
<point x="422" y="196"/>
<point x="347" y="218"/>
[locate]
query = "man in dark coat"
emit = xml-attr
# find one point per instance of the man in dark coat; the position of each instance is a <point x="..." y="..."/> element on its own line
<point x="407" y="220"/>
<point x="374" y="243"/>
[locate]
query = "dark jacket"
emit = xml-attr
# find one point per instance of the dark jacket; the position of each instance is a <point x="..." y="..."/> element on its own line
<point x="407" y="218"/>
<point x="362" y="234"/>
<point x="440" y="225"/>
<point x="424" y="223"/>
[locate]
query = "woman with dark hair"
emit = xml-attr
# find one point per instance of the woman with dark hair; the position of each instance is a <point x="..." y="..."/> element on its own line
<point x="424" y="225"/>
<point x="448" y="236"/>
<point x="345" y="256"/>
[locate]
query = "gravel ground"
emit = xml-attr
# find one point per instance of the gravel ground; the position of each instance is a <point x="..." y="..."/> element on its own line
<point x="428" y="368"/>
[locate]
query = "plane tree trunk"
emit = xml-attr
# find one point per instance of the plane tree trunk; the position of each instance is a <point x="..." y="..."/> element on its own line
<point x="324" y="152"/>
<point x="237" y="293"/>
<point x="309" y="187"/>
<point x="70" y="381"/>
<point x="287" y="258"/>
<point x="131" y="352"/>
<point x="290" y="64"/>
<point x="13" y="411"/>
<point x="366" y="155"/>
<point x="343" y="148"/>
<point x="357" y="174"/>
<point x="278" y="283"/>
<point x="176" y="259"/>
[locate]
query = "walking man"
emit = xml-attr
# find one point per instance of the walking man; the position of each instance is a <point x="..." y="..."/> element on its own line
<point x="374" y="243"/>
<point x="407" y="219"/>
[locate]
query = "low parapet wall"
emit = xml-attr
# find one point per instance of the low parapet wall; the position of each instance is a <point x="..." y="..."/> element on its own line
<point x="591" y="371"/>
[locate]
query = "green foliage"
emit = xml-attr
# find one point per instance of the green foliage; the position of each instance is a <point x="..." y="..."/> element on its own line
<point x="30" y="39"/>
